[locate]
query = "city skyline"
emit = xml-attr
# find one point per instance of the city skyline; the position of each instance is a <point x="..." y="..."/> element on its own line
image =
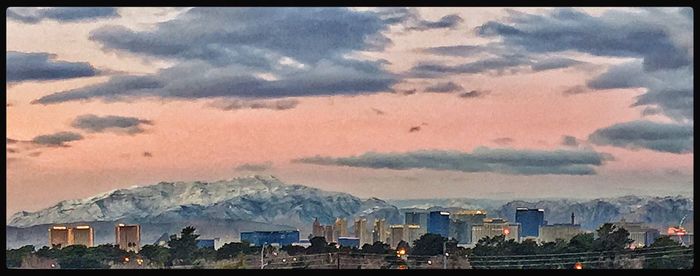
<point x="393" y="103"/>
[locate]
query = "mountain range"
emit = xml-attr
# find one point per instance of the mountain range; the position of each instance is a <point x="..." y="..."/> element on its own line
<point x="223" y="209"/>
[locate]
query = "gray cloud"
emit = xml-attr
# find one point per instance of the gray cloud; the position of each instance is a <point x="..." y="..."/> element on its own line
<point x="649" y="111"/>
<point x="554" y="63"/>
<point x="10" y="141"/>
<point x="444" y="87"/>
<point x="473" y="94"/>
<point x="569" y="141"/>
<point x="411" y="19"/>
<point x="661" y="38"/>
<point x="494" y="64"/>
<point x="577" y="89"/>
<point x="449" y="21"/>
<point x="58" y="139"/>
<point x="672" y="138"/>
<point x="43" y="66"/>
<point x="503" y="141"/>
<point x="248" y="53"/>
<point x="147" y="154"/>
<point x="60" y="14"/>
<point x="607" y="35"/>
<point x="233" y="104"/>
<point x="119" y="124"/>
<point x="255" y="167"/>
<point x="507" y="161"/>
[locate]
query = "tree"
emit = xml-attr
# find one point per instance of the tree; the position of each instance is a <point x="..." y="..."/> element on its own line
<point x="581" y="243"/>
<point x="182" y="249"/>
<point x="677" y="258"/>
<point x="233" y="249"/>
<point x="109" y="253"/>
<point x="428" y="244"/>
<point x="293" y="249"/>
<point x="156" y="254"/>
<point x="318" y="245"/>
<point x="78" y="256"/>
<point x="611" y="238"/>
<point x="377" y="247"/>
<point x="15" y="256"/>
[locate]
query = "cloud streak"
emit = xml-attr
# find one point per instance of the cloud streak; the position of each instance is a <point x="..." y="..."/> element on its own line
<point x="110" y="123"/>
<point x="255" y="167"/>
<point x="635" y="135"/>
<point x="43" y="66"/>
<point x="506" y="161"/>
<point x="58" y="139"/>
<point x="60" y="14"/>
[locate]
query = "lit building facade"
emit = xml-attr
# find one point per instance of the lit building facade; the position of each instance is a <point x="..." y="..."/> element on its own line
<point x="397" y="235"/>
<point x="362" y="232"/>
<point x="329" y="234"/>
<point x="341" y="227"/>
<point x="439" y="223"/>
<point x="380" y="232"/>
<point x="639" y="233"/>
<point x="495" y="227"/>
<point x="530" y="221"/>
<point x="462" y="222"/>
<point x="83" y="234"/>
<point x="59" y="236"/>
<point x="317" y="229"/>
<point x="128" y="236"/>
<point x="280" y="238"/>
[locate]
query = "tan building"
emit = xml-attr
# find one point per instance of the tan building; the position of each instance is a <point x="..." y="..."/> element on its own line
<point x="317" y="229"/>
<point x="380" y="232"/>
<point x="341" y="227"/>
<point x="495" y="227"/>
<point x="128" y="237"/>
<point x="396" y="235"/>
<point x="83" y="234"/>
<point x="59" y="236"/>
<point x="361" y="231"/>
<point x="329" y="234"/>
<point x="641" y="234"/>
<point x="412" y="232"/>
<point x="550" y="233"/>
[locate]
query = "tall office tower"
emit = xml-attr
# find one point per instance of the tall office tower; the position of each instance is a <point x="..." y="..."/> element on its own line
<point x="411" y="232"/>
<point x="329" y="234"/>
<point x="59" y="236"/>
<point x="361" y="231"/>
<point x="128" y="237"/>
<point x="418" y="218"/>
<point x="341" y="227"/>
<point x="380" y="232"/>
<point x="439" y="223"/>
<point x="317" y="229"/>
<point x="464" y="220"/>
<point x="530" y="221"/>
<point x="397" y="235"/>
<point x="83" y="234"/>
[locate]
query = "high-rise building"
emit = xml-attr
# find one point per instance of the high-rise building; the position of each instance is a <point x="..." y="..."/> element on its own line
<point x="361" y="231"/>
<point x="329" y="234"/>
<point x="530" y="221"/>
<point x="83" y="234"/>
<point x="280" y="238"/>
<point x="341" y="227"/>
<point x="317" y="229"/>
<point x="563" y="231"/>
<point x="128" y="237"/>
<point x="462" y="222"/>
<point x="397" y="235"/>
<point x="411" y="232"/>
<point x="380" y="232"/>
<point x="418" y="218"/>
<point x="495" y="227"/>
<point x="59" y="236"/>
<point x="439" y="223"/>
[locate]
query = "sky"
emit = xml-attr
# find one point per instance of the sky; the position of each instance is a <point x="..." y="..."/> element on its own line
<point x="394" y="103"/>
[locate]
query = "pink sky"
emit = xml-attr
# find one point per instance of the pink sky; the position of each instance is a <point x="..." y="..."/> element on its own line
<point x="190" y="140"/>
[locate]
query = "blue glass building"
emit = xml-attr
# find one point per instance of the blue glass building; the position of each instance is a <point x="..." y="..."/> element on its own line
<point x="439" y="223"/>
<point x="530" y="221"/>
<point x="205" y="243"/>
<point x="271" y="237"/>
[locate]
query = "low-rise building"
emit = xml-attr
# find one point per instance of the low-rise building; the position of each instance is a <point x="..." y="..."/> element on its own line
<point x="282" y="238"/>
<point x="495" y="227"/>
<point x="564" y="231"/>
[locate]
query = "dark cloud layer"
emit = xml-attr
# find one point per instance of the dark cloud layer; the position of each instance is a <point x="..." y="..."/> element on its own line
<point x="119" y="124"/>
<point x="61" y="14"/>
<point x="233" y="104"/>
<point x="569" y="141"/>
<point x="58" y="139"/>
<point x="43" y="66"/>
<point x="672" y="138"/>
<point x="234" y="52"/>
<point x="473" y="94"/>
<point x="507" y="161"/>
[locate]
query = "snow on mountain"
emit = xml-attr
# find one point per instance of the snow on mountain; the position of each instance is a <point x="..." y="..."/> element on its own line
<point x="257" y="198"/>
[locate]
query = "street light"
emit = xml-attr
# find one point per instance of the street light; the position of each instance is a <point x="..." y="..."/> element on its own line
<point x="578" y="265"/>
